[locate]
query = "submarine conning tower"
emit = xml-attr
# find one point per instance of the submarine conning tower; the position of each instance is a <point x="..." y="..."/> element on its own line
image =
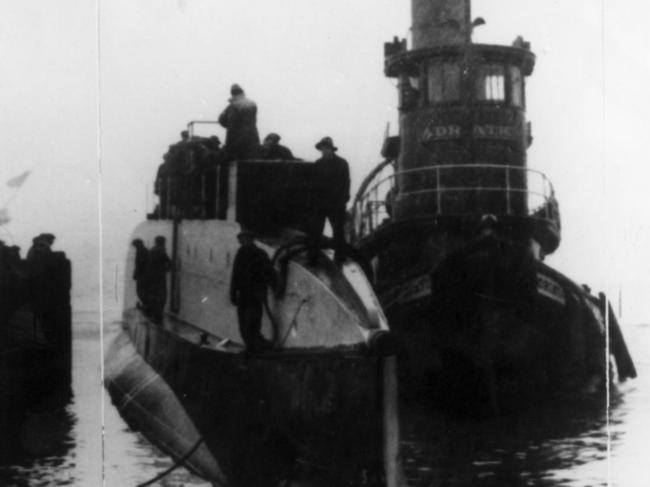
<point x="462" y="127"/>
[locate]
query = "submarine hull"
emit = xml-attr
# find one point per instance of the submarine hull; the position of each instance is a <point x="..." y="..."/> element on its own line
<point x="260" y="418"/>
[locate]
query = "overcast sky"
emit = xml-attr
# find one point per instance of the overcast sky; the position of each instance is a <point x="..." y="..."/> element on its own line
<point x="94" y="92"/>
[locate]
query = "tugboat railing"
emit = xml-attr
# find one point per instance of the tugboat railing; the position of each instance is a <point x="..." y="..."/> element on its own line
<point x="373" y="207"/>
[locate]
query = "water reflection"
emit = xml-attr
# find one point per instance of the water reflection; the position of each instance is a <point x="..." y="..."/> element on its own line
<point x="538" y="448"/>
<point x="630" y="419"/>
<point x="75" y="437"/>
<point x="79" y="439"/>
<point x="39" y="441"/>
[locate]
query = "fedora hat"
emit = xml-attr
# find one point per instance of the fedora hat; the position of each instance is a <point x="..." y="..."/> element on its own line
<point x="326" y="142"/>
<point x="273" y="137"/>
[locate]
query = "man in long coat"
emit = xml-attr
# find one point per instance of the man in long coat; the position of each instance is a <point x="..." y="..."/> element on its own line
<point x="158" y="266"/>
<point x="333" y="179"/>
<point x="273" y="151"/>
<point x="140" y="271"/>
<point x="252" y="273"/>
<point x="240" y="121"/>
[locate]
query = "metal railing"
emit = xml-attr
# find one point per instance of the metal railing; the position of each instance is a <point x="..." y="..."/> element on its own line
<point x="193" y="123"/>
<point x="435" y="189"/>
<point x="199" y="195"/>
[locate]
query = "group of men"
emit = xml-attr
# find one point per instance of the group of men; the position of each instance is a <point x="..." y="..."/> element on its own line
<point x="252" y="274"/>
<point x="181" y="187"/>
<point x="239" y="119"/>
<point x="180" y="183"/>
<point x="23" y="280"/>
<point x="150" y="275"/>
<point x="252" y="270"/>
<point x="332" y="172"/>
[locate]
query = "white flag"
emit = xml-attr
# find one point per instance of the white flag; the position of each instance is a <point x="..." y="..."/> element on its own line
<point x="18" y="180"/>
<point x="4" y="216"/>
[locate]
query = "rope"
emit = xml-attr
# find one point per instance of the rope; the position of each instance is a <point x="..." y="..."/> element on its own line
<point x="176" y="464"/>
<point x="303" y="244"/>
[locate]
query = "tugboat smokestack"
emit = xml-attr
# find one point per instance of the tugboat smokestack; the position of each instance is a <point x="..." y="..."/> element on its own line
<point x="440" y="22"/>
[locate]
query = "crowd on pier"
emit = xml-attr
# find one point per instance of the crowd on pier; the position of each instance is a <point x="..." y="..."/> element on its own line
<point x="35" y="280"/>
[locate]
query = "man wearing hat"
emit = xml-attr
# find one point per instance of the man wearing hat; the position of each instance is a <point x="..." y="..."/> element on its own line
<point x="333" y="190"/>
<point x="272" y="150"/>
<point x="41" y="244"/>
<point x="140" y="271"/>
<point x="240" y="121"/>
<point x="252" y="273"/>
<point x="159" y="264"/>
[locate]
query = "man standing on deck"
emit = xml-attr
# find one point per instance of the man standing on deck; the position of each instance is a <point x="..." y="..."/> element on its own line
<point x="333" y="179"/>
<point x="240" y="121"/>
<point x="158" y="267"/>
<point x="273" y="151"/>
<point x="252" y="273"/>
<point x="140" y="271"/>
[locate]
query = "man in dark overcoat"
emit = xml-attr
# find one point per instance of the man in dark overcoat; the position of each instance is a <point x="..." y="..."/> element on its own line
<point x="158" y="267"/>
<point x="240" y="121"/>
<point x="140" y="271"/>
<point x="333" y="190"/>
<point x="273" y="150"/>
<point x="252" y="273"/>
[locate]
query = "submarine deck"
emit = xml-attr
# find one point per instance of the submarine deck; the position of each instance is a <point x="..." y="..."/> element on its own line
<point x="188" y="332"/>
<point x="206" y="340"/>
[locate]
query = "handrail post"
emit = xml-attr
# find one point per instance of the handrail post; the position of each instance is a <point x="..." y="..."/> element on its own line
<point x="508" y="205"/>
<point x="548" y="194"/>
<point x="356" y="221"/>
<point x="438" y="192"/>
<point x="217" y="191"/>
<point x="362" y="217"/>
<point x="203" y="195"/>
<point x="168" y="200"/>
<point x="375" y="212"/>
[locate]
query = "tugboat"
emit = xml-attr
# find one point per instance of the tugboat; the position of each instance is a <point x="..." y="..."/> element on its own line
<point x="35" y="338"/>
<point x="318" y="399"/>
<point x="456" y="228"/>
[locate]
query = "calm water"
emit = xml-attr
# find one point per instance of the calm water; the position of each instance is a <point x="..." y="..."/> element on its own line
<point x="575" y="446"/>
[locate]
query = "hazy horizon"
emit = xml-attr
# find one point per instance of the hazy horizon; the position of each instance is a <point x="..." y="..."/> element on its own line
<point x="95" y="92"/>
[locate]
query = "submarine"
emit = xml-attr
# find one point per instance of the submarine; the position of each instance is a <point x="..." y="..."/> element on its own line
<point x="319" y="400"/>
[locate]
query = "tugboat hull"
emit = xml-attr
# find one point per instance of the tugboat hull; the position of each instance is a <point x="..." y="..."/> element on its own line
<point x="493" y="329"/>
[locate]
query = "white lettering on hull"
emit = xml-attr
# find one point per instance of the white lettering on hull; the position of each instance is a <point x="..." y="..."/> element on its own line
<point x="550" y="288"/>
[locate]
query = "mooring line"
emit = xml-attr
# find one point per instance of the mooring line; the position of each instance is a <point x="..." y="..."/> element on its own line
<point x="177" y="464"/>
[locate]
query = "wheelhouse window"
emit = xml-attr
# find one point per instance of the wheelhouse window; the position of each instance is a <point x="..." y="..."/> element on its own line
<point x="516" y="87"/>
<point x="490" y="84"/>
<point x="443" y="82"/>
<point x="409" y="92"/>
